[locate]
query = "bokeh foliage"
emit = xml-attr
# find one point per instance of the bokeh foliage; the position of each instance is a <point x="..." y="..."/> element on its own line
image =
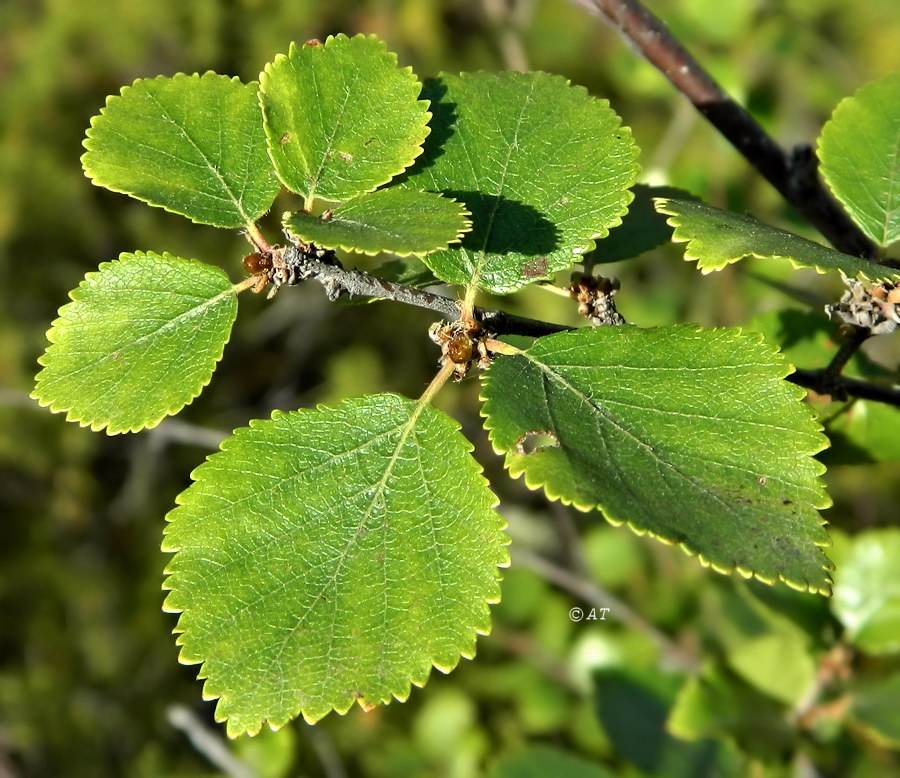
<point x="88" y="670"/>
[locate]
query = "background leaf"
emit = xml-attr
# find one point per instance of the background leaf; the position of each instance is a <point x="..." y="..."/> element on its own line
<point x="685" y="433"/>
<point x="717" y="704"/>
<point x="859" y="153"/>
<point x="542" y="166"/>
<point x="138" y="342"/>
<point x="716" y="238"/>
<point x="341" y="118"/>
<point x="330" y="556"/>
<point x="398" y="221"/>
<point x="867" y="591"/>
<point x="542" y="761"/>
<point x="193" y="145"/>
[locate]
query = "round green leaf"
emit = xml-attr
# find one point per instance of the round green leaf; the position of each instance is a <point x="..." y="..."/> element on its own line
<point x="684" y="433"/>
<point x="859" y="150"/>
<point x="399" y="221"/>
<point x="867" y="591"/>
<point x="542" y="166"/>
<point x="716" y="238"/>
<point x="333" y="555"/>
<point x="138" y="342"/>
<point x="341" y="118"/>
<point x="193" y="145"/>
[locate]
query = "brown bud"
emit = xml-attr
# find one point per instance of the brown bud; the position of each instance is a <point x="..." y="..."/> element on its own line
<point x="257" y="263"/>
<point x="459" y="349"/>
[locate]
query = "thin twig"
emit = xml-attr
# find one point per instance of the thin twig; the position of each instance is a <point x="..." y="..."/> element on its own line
<point x="842" y="387"/>
<point x="301" y="263"/>
<point x="793" y="175"/>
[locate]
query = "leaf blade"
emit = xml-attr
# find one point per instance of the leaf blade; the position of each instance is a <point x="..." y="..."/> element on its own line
<point x="193" y="145"/>
<point x="396" y="221"/>
<point x="543" y="167"/>
<point x="139" y="341"/>
<point x="367" y="124"/>
<point x="859" y="149"/>
<point x="716" y="238"/>
<point x="662" y="429"/>
<point x="361" y="559"/>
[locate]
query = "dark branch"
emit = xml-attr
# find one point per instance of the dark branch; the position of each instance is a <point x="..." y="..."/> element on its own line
<point x="821" y="382"/>
<point x="291" y="265"/>
<point x="794" y="176"/>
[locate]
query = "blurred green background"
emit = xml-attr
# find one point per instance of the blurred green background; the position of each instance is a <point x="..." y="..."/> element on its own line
<point x="89" y="679"/>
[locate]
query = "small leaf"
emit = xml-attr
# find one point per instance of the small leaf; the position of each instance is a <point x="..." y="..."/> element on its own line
<point x="138" y="342"/>
<point x="333" y="555"/>
<point x="543" y="167"/>
<point x="193" y="145"/>
<point x="859" y="151"/>
<point x="398" y="221"/>
<point x="716" y="238"/>
<point x="687" y="434"/>
<point x="867" y="591"/>
<point x="341" y="118"/>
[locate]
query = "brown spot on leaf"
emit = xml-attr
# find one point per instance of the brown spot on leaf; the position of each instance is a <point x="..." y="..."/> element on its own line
<point x="285" y="137"/>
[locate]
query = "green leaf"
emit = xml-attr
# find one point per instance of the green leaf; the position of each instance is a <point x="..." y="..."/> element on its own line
<point x="716" y="238"/>
<point x="398" y="221"/>
<point x="341" y="118"/>
<point x="633" y="705"/>
<point x="859" y="151"/>
<point x="542" y="166"/>
<point x="716" y="704"/>
<point x="333" y="555"/>
<point x="687" y="434"/>
<point x="874" y="709"/>
<point x="193" y="145"/>
<point x="867" y="591"/>
<point x="138" y="342"/>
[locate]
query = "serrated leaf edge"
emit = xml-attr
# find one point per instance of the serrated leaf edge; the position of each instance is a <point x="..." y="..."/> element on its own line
<point x="338" y="246"/>
<point x="429" y="663"/>
<point x="52" y="337"/>
<point x="691" y="255"/>
<point x="823" y="503"/>
<point x="96" y="180"/>
<point x="416" y="146"/>
<point x="590" y="242"/>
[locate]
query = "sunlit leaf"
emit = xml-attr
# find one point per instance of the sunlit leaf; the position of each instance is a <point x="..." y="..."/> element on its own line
<point x="332" y="556"/>
<point x="396" y="221"/>
<point x="193" y="145"/>
<point x="341" y="118"/>
<point x="138" y="342"/>
<point x="690" y="435"/>
<point x="859" y="151"/>
<point x="716" y="238"/>
<point x="542" y="166"/>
